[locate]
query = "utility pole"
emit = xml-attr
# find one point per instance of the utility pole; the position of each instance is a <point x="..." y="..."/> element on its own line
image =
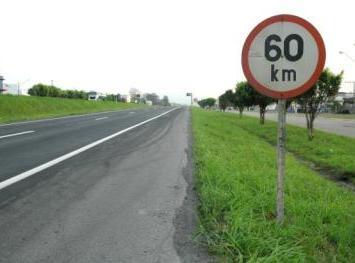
<point x="19" y="84"/>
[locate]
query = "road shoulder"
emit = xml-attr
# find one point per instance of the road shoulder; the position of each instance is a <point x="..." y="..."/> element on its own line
<point x="186" y="216"/>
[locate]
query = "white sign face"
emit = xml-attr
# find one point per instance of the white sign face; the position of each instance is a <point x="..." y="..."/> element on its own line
<point x="283" y="56"/>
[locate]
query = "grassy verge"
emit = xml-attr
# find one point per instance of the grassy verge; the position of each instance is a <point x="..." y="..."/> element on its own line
<point x="328" y="151"/>
<point x="236" y="173"/>
<point x="17" y="108"/>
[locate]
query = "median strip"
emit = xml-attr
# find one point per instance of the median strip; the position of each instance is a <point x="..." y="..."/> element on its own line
<point x="64" y="157"/>
<point x="235" y="170"/>
<point x="15" y="134"/>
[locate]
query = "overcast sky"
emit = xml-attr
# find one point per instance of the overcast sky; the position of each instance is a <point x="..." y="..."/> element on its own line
<point x="163" y="46"/>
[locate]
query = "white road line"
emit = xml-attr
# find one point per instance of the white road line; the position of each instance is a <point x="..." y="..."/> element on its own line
<point x="101" y="118"/>
<point x="64" y="157"/>
<point x="15" y="134"/>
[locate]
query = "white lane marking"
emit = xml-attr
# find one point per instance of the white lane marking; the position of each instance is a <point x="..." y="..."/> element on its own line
<point x="132" y="112"/>
<point x="101" y="118"/>
<point x="64" y="157"/>
<point x="15" y="134"/>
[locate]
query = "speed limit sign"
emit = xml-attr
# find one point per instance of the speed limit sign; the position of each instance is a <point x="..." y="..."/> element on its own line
<point x="283" y="56"/>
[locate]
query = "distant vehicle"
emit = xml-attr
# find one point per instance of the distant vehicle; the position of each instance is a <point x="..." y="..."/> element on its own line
<point x="93" y="95"/>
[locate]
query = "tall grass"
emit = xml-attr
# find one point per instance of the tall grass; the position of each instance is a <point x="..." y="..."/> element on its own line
<point x="327" y="150"/>
<point x="16" y="108"/>
<point x="236" y="173"/>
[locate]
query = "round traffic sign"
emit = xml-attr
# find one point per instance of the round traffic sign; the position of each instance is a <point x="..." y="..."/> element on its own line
<point x="283" y="56"/>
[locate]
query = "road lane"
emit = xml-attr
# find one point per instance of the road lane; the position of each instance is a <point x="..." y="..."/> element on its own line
<point x="76" y="116"/>
<point x="344" y="127"/>
<point x="116" y="202"/>
<point x="57" y="137"/>
<point x="24" y="175"/>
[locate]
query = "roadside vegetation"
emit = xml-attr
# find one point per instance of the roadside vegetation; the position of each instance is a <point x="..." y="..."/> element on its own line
<point x="209" y="102"/>
<point x="43" y="90"/>
<point x="236" y="174"/>
<point x="330" y="152"/>
<point x="321" y="94"/>
<point x="18" y="108"/>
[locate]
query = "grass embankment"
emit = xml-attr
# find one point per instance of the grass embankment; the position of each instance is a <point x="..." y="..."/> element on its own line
<point x="17" y="108"/>
<point x="236" y="173"/>
<point x="328" y="151"/>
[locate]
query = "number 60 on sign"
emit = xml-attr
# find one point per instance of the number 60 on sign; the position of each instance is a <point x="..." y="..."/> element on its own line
<point x="283" y="56"/>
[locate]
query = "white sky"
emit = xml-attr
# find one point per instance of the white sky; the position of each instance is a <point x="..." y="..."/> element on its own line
<point x="163" y="46"/>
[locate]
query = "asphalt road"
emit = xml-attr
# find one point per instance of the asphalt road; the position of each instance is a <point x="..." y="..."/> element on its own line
<point x="127" y="199"/>
<point x="345" y="127"/>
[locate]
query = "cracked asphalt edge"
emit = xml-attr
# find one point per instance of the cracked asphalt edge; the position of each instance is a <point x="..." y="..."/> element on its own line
<point x="186" y="216"/>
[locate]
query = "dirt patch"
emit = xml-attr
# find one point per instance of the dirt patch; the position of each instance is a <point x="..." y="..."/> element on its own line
<point x="342" y="179"/>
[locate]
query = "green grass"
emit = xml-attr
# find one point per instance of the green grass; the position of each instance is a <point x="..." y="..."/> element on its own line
<point x="18" y="108"/>
<point x="236" y="172"/>
<point x="326" y="150"/>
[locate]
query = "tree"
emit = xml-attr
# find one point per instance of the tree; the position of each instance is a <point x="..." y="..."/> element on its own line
<point x="209" y="102"/>
<point x="112" y="97"/>
<point x="262" y="101"/>
<point x="165" y="101"/>
<point x="43" y="90"/>
<point x="223" y="102"/>
<point x="243" y="96"/>
<point x="154" y="98"/>
<point x="135" y="95"/>
<point x="202" y="103"/>
<point x="320" y="94"/>
<point x="230" y="97"/>
<point x="39" y="90"/>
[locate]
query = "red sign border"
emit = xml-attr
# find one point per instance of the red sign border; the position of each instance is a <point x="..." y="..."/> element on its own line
<point x="296" y="91"/>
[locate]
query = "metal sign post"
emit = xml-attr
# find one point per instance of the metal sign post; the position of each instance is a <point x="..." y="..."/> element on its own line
<point x="282" y="57"/>
<point x="189" y="94"/>
<point x="281" y="152"/>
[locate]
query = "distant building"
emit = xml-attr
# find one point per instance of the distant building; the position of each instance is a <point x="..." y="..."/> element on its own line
<point x="347" y="101"/>
<point x="12" y="89"/>
<point x="349" y="104"/>
<point x="343" y="95"/>
<point x="134" y="95"/>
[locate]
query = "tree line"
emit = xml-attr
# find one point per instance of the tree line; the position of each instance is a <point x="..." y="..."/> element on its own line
<point x="43" y="90"/>
<point x="207" y="103"/>
<point x="245" y="96"/>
